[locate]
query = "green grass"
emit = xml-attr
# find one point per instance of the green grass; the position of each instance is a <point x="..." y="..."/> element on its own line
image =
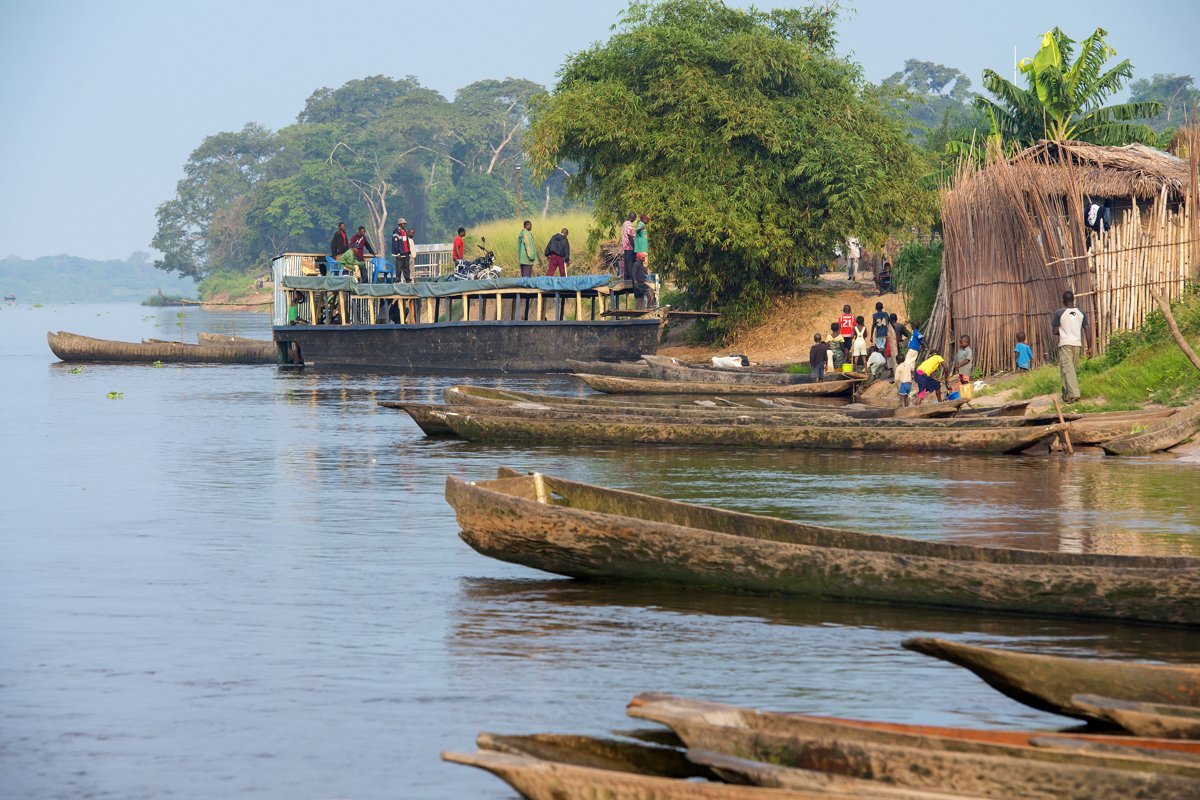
<point x="1139" y="368"/>
<point x="501" y="235"/>
<point x="798" y="369"/>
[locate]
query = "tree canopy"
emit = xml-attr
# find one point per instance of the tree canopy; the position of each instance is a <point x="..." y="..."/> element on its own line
<point x="754" y="149"/>
<point x="365" y="153"/>
<point x="1065" y="95"/>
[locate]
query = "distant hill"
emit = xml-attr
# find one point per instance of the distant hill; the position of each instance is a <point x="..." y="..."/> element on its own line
<point x="68" y="279"/>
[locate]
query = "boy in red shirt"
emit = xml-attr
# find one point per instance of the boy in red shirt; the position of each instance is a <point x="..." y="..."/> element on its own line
<point x="458" y="250"/>
<point x="846" y="328"/>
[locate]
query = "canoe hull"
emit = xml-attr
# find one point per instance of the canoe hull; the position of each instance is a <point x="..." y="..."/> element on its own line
<point x="1160" y="435"/>
<point x="621" y="535"/>
<point x="1047" y="683"/>
<point x="580" y="429"/>
<point x="615" y="385"/>
<point x="72" y="347"/>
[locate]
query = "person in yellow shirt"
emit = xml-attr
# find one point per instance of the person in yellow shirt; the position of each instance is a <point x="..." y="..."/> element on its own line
<point x="927" y="377"/>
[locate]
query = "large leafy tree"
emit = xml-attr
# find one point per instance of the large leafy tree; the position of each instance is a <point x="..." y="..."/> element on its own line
<point x="1065" y="94"/>
<point x="935" y="99"/>
<point x="751" y="145"/>
<point x="1177" y="94"/>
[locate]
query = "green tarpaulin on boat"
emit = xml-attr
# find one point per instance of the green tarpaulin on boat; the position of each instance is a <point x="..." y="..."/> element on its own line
<point x="443" y="287"/>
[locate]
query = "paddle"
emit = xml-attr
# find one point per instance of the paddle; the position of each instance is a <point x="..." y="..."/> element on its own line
<point x="1065" y="436"/>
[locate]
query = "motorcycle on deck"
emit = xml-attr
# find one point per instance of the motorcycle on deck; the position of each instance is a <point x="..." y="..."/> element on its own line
<point x="482" y="268"/>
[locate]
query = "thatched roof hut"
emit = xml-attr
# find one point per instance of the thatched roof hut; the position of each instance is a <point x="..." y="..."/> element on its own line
<point x="1016" y="239"/>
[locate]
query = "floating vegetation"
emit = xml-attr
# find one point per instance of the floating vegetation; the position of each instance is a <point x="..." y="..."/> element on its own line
<point x="116" y="395"/>
<point x="75" y="370"/>
<point x="159" y="364"/>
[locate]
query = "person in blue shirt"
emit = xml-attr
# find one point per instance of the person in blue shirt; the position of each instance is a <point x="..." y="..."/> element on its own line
<point x="1023" y="353"/>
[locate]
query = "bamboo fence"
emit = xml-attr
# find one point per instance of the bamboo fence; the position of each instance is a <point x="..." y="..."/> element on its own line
<point x="1015" y="240"/>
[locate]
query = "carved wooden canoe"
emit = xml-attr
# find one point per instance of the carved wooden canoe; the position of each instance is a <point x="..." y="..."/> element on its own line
<point x="1159" y="435"/>
<point x="483" y="395"/>
<point x="1013" y="409"/>
<point x="620" y="369"/>
<point x="1047" y="682"/>
<point x="73" y="347"/>
<point x="499" y="426"/>
<point x="590" y="751"/>
<point x="428" y="417"/>
<point x="664" y="708"/>
<point x="264" y="347"/>
<point x="914" y="763"/>
<point x="1143" y="719"/>
<point x="666" y="368"/>
<point x="1097" y="428"/>
<point x="947" y="408"/>
<point x="536" y="779"/>
<point x="614" y="385"/>
<point x="583" y="531"/>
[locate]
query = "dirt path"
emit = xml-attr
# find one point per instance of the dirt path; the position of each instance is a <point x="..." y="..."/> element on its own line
<point x="786" y="334"/>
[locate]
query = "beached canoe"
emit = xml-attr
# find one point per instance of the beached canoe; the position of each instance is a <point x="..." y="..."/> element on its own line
<point x="1014" y="409"/>
<point x="614" y="385"/>
<point x="536" y="779"/>
<point x="583" y="531"/>
<point x="428" y="417"/>
<point x="620" y="369"/>
<point x="1159" y="435"/>
<point x="744" y="734"/>
<point x="947" y="408"/>
<point x="1048" y="682"/>
<point x="709" y="416"/>
<point x="487" y="425"/>
<point x="665" y="368"/>
<point x="1100" y="427"/>
<point x="663" y="708"/>
<point x="1143" y="719"/>
<point x="73" y="347"/>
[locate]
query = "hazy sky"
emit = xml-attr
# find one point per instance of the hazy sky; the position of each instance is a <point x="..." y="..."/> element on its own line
<point x="105" y="100"/>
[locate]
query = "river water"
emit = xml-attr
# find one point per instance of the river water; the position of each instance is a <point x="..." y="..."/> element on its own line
<point x="241" y="581"/>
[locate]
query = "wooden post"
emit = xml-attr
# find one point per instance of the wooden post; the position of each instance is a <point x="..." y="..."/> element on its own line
<point x="312" y="307"/>
<point x="342" y="305"/>
<point x="539" y="306"/>
<point x="498" y="302"/>
<point x="579" y="306"/>
<point x="1066" y="436"/>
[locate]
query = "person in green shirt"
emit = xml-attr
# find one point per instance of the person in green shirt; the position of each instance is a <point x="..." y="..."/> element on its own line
<point x="527" y="252"/>
<point x="641" y="241"/>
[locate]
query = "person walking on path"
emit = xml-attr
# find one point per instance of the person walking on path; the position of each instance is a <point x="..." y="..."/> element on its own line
<point x="558" y="254"/>
<point x="817" y="355"/>
<point x="853" y="252"/>
<point x="402" y="251"/>
<point x="1070" y="326"/>
<point x="527" y="252"/>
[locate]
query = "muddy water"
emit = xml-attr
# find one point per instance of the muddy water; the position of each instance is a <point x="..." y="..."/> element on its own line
<point x="240" y="581"/>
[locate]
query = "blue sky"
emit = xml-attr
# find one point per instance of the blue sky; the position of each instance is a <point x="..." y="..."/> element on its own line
<point x="105" y="99"/>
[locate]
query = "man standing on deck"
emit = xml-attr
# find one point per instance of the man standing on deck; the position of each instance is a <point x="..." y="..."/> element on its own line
<point x="527" y="253"/>
<point x="340" y="243"/>
<point x="558" y="254"/>
<point x="1070" y="326"/>
<point x="402" y="251"/>
<point x="628" y="253"/>
<point x="458" y="250"/>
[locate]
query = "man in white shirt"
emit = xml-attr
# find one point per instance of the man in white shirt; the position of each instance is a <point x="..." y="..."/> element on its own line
<point x="1071" y="328"/>
<point x="853" y="251"/>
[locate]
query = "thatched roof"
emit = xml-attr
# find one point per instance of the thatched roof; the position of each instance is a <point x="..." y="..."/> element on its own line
<point x="1133" y="170"/>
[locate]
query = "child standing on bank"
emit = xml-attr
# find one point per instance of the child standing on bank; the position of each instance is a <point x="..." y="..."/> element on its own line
<point x="816" y="358"/>
<point x="904" y="376"/>
<point x="1023" y="353"/>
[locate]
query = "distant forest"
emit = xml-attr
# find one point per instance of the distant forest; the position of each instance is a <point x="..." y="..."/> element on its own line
<point x="67" y="279"/>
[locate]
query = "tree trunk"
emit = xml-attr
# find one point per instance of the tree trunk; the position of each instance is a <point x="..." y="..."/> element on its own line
<point x="1179" y="340"/>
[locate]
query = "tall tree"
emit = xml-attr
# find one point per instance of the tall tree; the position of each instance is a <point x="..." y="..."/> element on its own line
<point x="751" y="145"/>
<point x="1065" y="94"/>
<point x="1177" y="94"/>
<point x="936" y="99"/>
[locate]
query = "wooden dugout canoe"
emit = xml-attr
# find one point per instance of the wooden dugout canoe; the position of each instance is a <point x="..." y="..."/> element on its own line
<point x="740" y="733"/>
<point x="946" y="408"/>
<point x="583" y="531"/>
<point x="1162" y="434"/>
<point x="1143" y="719"/>
<point x="73" y="347"/>
<point x="666" y="708"/>
<point x="1100" y="427"/>
<point x="614" y="385"/>
<point x="536" y="779"/>
<point x="266" y="348"/>
<point x="434" y="425"/>
<point x="1014" y="409"/>
<point x="666" y="368"/>
<point x="590" y="751"/>
<point x="1047" y="683"/>
<point x="620" y="369"/>
<point x="498" y="426"/>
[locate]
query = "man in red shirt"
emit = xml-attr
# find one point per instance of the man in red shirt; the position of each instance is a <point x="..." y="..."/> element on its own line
<point x="458" y="250"/>
<point x="846" y="329"/>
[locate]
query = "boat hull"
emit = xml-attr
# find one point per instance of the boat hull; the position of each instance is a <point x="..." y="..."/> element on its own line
<point x="72" y="347"/>
<point x="493" y="346"/>
<point x="610" y="534"/>
<point x="616" y="385"/>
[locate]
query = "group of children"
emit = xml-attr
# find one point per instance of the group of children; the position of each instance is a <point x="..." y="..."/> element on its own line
<point x="874" y="349"/>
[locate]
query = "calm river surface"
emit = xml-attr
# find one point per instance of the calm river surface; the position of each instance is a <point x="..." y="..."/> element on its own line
<point x="239" y="581"/>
